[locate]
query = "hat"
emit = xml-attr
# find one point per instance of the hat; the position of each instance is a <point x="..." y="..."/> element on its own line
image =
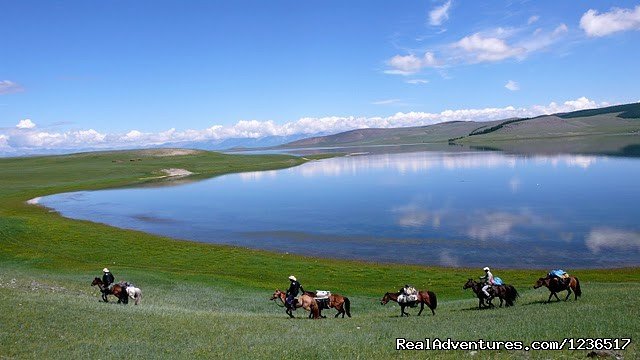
<point x="105" y="270"/>
<point x="486" y="268"/>
<point x="292" y="278"/>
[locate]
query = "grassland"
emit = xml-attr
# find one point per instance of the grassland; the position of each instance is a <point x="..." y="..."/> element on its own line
<point x="203" y="300"/>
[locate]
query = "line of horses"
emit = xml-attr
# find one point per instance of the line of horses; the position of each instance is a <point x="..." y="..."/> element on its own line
<point x="120" y="291"/>
<point x="507" y="294"/>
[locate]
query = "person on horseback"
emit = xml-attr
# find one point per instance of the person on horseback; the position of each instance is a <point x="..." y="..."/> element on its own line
<point x="488" y="281"/>
<point x="107" y="280"/>
<point x="293" y="291"/>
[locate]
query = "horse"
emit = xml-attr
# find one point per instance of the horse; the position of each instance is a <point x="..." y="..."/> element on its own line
<point x="116" y="290"/>
<point x="306" y="302"/>
<point x="425" y="297"/>
<point x="556" y="285"/>
<point x="341" y="303"/>
<point x="134" y="293"/>
<point x="506" y="293"/>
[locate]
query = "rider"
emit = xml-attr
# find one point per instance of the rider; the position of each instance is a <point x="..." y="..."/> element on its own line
<point x="107" y="280"/>
<point x="293" y="291"/>
<point x="488" y="281"/>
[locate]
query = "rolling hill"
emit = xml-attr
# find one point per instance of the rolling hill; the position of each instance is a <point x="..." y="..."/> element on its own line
<point x="611" y="130"/>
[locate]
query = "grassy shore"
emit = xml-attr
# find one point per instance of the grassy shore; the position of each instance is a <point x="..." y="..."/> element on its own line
<point x="205" y="300"/>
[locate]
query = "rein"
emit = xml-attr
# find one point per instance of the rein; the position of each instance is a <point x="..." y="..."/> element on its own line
<point x="276" y="302"/>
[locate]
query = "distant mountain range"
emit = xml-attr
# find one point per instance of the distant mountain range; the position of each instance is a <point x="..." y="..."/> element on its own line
<point x="609" y="130"/>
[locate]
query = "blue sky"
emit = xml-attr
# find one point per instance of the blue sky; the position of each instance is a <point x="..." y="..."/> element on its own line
<point x="77" y="74"/>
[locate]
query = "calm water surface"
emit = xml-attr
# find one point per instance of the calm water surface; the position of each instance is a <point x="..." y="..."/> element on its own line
<point x="453" y="209"/>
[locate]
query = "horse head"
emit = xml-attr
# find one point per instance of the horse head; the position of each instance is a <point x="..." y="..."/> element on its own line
<point x="541" y="282"/>
<point x="276" y="295"/>
<point x="385" y="299"/>
<point x="469" y="284"/>
<point x="96" y="281"/>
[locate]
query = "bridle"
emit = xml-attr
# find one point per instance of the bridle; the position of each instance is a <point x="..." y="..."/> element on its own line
<point x="281" y="304"/>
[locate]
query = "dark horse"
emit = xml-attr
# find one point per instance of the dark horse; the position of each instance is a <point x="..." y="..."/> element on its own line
<point x="425" y="297"/>
<point x="336" y="301"/>
<point x="116" y="290"/>
<point x="506" y="293"/>
<point x="556" y="285"/>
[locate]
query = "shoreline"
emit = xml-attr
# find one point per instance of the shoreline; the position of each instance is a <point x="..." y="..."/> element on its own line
<point x="183" y="174"/>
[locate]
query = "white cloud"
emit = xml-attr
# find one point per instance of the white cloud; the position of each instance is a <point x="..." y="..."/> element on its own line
<point x="596" y="25"/>
<point x="25" y="124"/>
<point x="132" y="135"/>
<point x="417" y="81"/>
<point x="410" y="64"/>
<point x="560" y="29"/>
<point x="487" y="48"/>
<point x="387" y="102"/>
<point x="533" y="19"/>
<point x="9" y="87"/>
<point x="4" y="142"/>
<point x="541" y="39"/>
<point x="512" y="85"/>
<point x="16" y="139"/>
<point x="439" y="14"/>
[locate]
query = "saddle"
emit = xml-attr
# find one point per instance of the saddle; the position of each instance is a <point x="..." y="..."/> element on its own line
<point x="322" y="298"/>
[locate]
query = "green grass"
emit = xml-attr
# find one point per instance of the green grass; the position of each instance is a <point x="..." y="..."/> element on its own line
<point x="203" y="300"/>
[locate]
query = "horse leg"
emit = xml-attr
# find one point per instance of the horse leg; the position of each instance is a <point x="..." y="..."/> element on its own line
<point x="568" y="294"/>
<point x="556" y="295"/>
<point x="421" y="308"/>
<point x="549" y="299"/>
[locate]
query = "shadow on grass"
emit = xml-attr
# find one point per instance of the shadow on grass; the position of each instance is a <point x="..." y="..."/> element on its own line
<point x="544" y="302"/>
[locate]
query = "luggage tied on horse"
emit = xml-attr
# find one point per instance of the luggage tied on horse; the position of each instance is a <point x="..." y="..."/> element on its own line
<point x="322" y="298"/>
<point x="497" y="281"/>
<point x="559" y="273"/>
<point x="409" y="295"/>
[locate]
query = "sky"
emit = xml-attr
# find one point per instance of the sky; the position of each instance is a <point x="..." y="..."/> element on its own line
<point x="124" y="74"/>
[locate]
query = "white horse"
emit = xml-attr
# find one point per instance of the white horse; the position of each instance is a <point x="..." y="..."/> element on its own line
<point x="134" y="293"/>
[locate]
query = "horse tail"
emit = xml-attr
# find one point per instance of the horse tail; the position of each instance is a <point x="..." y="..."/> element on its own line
<point x="347" y="306"/>
<point x="433" y="300"/>
<point x="512" y="295"/>
<point x="577" y="290"/>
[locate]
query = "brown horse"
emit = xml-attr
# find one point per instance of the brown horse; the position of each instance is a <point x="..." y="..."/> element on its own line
<point x="306" y="302"/>
<point x="116" y="290"/>
<point x="425" y="297"/>
<point x="506" y="293"/>
<point x="336" y="301"/>
<point x="556" y="285"/>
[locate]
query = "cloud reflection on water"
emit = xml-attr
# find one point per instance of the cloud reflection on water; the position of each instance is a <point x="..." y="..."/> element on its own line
<point x="422" y="161"/>
<point x="605" y="238"/>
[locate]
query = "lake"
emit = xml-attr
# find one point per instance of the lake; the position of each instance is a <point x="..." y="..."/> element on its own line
<point x="470" y="209"/>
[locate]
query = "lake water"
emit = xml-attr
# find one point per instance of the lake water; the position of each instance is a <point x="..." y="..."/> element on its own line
<point x="471" y="209"/>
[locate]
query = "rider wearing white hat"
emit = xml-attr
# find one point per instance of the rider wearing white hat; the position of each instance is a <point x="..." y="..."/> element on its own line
<point x="293" y="291"/>
<point x="107" y="277"/>
<point x="488" y="281"/>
